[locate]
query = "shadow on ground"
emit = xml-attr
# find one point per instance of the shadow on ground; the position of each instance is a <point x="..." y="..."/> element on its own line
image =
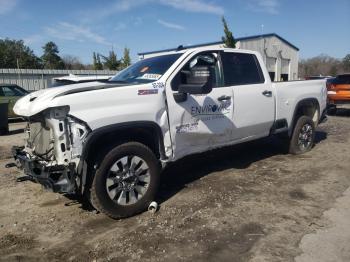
<point x="177" y="175"/>
<point x="343" y="112"/>
<point x="15" y="131"/>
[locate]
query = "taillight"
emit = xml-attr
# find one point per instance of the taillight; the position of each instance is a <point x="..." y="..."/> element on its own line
<point x="330" y="86"/>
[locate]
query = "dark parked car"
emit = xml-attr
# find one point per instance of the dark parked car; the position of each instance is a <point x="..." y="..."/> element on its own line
<point x="10" y="93"/>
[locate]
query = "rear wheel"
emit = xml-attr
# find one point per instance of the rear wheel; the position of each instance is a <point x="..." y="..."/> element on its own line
<point x="126" y="181"/>
<point x="303" y="136"/>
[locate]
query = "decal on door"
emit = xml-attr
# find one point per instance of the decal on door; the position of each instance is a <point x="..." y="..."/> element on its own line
<point x="210" y="111"/>
<point x="147" y="92"/>
<point x="158" y="85"/>
<point x="187" y="128"/>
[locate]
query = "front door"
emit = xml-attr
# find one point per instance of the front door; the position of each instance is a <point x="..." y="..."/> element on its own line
<point x="200" y="121"/>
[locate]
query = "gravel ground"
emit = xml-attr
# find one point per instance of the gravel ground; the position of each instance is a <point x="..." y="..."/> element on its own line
<point x="249" y="202"/>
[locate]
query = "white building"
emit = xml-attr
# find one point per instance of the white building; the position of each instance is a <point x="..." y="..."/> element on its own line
<point x="280" y="56"/>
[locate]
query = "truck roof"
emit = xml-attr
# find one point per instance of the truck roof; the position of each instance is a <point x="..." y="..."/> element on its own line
<point x="190" y="50"/>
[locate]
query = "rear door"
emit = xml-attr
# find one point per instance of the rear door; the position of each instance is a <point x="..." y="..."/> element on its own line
<point x="201" y="121"/>
<point x="253" y="96"/>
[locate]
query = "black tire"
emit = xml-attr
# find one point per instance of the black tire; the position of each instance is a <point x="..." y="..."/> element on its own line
<point x="4" y="131"/>
<point x="100" y="197"/>
<point x="300" y="143"/>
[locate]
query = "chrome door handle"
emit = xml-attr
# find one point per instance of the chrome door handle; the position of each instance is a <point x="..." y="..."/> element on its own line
<point x="224" y="98"/>
<point x="267" y="93"/>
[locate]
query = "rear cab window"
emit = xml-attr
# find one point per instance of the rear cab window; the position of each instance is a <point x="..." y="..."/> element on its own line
<point x="241" y="69"/>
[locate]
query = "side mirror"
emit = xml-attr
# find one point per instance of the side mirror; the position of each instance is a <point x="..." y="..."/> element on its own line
<point x="197" y="81"/>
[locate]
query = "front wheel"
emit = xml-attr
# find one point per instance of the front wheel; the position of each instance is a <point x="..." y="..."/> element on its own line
<point x="303" y="136"/>
<point x="127" y="180"/>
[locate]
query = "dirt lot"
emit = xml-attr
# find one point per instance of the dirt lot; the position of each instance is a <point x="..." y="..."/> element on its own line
<point x="248" y="202"/>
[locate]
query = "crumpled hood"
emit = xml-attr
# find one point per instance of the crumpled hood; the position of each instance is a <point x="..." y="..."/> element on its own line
<point x="38" y="101"/>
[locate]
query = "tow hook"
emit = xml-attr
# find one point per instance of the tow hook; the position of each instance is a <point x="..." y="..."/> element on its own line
<point x="9" y="165"/>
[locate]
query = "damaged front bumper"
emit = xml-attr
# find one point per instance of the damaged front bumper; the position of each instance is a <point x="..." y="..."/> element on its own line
<point x="57" y="178"/>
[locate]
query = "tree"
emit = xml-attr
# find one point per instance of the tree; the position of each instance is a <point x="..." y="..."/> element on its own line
<point x="126" y="61"/>
<point x="97" y="64"/>
<point x="50" y="58"/>
<point x="111" y="62"/>
<point x="14" y="54"/>
<point x="320" y="65"/>
<point x="72" y="63"/>
<point x="346" y="62"/>
<point x="228" y="39"/>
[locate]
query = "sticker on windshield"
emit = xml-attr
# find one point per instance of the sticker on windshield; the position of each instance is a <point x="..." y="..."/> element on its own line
<point x="144" y="69"/>
<point x="150" y="76"/>
<point x="145" y="92"/>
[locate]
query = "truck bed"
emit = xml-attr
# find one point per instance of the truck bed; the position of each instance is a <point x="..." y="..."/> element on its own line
<point x="288" y="94"/>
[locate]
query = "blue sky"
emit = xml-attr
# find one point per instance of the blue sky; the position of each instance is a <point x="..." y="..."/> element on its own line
<point x="81" y="27"/>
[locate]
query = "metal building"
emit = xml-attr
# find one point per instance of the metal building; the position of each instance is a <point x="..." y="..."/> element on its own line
<point x="280" y="56"/>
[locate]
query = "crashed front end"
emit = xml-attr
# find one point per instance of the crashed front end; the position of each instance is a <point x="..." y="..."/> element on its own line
<point x="53" y="149"/>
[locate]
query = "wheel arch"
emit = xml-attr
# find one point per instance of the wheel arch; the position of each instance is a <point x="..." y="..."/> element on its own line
<point x="306" y="107"/>
<point x="145" y="132"/>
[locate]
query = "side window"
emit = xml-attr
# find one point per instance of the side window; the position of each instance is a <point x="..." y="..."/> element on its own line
<point x="13" y="91"/>
<point x="19" y="91"/>
<point x="241" y="69"/>
<point x="1" y="91"/>
<point x="8" y="91"/>
<point x="204" y="65"/>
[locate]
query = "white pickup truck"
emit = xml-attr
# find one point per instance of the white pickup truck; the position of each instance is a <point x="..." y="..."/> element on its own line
<point x="109" y="141"/>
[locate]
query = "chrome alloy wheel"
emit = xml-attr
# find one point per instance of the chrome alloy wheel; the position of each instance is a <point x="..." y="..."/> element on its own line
<point x="128" y="180"/>
<point x="305" y="137"/>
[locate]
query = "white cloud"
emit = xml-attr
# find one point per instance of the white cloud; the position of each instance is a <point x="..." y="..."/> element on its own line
<point x="170" y="25"/>
<point x="196" y="6"/>
<point x="266" y="6"/>
<point x="106" y="11"/>
<point x="33" y="39"/>
<point x="68" y="31"/>
<point x="7" y="6"/>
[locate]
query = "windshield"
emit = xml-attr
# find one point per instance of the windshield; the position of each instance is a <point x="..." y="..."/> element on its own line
<point x="147" y="70"/>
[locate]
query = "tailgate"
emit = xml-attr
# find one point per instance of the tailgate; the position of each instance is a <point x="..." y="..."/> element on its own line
<point x="341" y="87"/>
